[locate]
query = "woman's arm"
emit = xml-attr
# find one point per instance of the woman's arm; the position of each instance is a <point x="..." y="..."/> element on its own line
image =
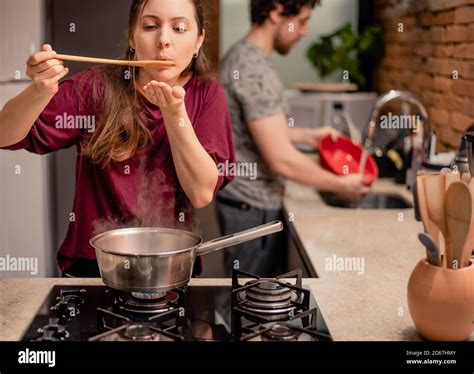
<point x="197" y="171"/>
<point x="20" y="113"/>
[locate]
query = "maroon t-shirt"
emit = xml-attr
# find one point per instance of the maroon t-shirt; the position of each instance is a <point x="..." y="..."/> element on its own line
<point x="142" y="191"/>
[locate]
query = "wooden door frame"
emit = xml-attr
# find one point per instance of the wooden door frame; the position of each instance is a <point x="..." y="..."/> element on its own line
<point x="212" y="43"/>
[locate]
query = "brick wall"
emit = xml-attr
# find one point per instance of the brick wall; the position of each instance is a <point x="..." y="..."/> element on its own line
<point x="430" y="51"/>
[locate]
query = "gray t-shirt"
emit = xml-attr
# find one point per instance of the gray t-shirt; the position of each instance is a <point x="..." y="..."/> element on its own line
<point x="253" y="91"/>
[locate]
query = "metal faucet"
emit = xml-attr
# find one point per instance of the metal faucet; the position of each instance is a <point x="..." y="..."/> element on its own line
<point x="345" y="118"/>
<point x="406" y="97"/>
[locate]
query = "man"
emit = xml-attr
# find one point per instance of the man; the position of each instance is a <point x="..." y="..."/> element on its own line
<point x="258" y="109"/>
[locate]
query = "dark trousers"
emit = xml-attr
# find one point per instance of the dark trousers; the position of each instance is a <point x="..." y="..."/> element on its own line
<point x="82" y="269"/>
<point x="266" y="256"/>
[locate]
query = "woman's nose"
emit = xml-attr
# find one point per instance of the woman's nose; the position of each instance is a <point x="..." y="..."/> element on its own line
<point x="163" y="40"/>
<point x="164" y="43"/>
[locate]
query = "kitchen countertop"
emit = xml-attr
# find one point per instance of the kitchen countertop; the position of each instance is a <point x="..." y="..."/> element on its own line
<point x="369" y="306"/>
<point x="357" y="307"/>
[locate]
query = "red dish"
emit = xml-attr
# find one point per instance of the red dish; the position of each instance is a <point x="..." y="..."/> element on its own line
<point x="343" y="156"/>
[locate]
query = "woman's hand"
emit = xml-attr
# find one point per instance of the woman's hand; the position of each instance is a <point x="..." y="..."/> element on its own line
<point x="196" y="169"/>
<point x="169" y="99"/>
<point x="46" y="71"/>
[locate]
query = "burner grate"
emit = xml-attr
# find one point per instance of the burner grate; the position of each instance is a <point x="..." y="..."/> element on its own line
<point x="130" y="303"/>
<point x="167" y="326"/>
<point x="289" y="331"/>
<point x="273" y="309"/>
<point x="266" y="300"/>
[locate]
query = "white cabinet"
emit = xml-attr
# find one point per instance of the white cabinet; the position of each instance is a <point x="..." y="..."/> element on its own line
<point x="25" y="179"/>
<point x="21" y="32"/>
<point x="26" y="229"/>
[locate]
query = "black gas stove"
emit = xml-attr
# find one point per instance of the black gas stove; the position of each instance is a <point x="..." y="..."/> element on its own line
<point x="253" y="309"/>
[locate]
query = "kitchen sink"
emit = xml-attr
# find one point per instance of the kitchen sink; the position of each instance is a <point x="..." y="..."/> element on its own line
<point x="373" y="200"/>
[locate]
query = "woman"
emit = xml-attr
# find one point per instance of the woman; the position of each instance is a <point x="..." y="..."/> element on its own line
<point x="159" y="132"/>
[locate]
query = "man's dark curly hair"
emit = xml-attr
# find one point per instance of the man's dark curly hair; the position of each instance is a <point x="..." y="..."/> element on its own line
<point x="260" y="9"/>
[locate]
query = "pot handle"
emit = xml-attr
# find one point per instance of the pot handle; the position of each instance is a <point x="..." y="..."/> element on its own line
<point x="240" y="237"/>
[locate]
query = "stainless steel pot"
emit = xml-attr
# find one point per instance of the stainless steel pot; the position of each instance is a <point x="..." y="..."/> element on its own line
<point x="155" y="259"/>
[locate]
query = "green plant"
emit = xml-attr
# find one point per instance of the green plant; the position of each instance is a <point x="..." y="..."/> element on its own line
<point x="343" y="50"/>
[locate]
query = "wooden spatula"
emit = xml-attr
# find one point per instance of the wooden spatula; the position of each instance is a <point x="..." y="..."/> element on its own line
<point x="458" y="207"/>
<point x="435" y="192"/>
<point x="151" y="63"/>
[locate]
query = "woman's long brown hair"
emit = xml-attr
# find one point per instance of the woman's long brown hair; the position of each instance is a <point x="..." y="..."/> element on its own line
<point x="119" y="132"/>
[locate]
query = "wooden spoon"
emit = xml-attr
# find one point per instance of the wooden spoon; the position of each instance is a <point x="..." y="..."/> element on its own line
<point x="451" y="178"/>
<point x="151" y="63"/>
<point x="458" y="207"/>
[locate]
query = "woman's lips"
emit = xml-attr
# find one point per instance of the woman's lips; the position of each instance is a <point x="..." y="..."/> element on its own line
<point x="171" y="63"/>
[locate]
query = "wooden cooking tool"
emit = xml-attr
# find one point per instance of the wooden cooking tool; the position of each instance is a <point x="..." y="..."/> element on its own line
<point x="430" y="227"/>
<point x="469" y="245"/>
<point x="151" y="63"/>
<point x="451" y="178"/>
<point x="458" y="207"/>
<point x="435" y="193"/>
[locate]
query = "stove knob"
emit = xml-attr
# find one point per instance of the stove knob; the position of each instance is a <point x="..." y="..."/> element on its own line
<point x="61" y="333"/>
<point x="54" y="330"/>
<point x="47" y="336"/>
<point x="66" y="310"/>
<point x="53" y="322"/>
<point x="74" y="299"/>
